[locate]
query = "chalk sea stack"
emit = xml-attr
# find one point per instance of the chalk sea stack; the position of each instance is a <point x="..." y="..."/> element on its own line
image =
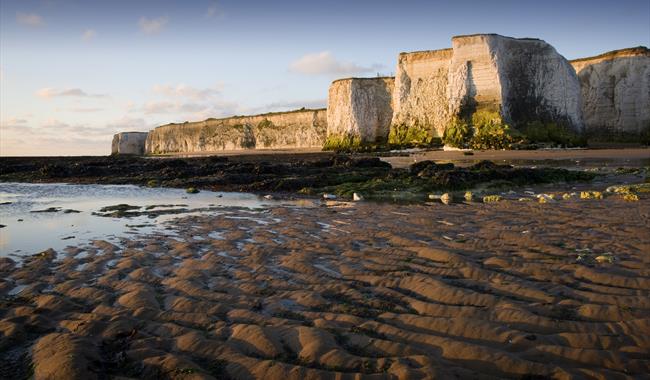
<point x="129" y="143"/>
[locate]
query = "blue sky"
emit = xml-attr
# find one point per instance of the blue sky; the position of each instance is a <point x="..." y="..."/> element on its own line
<point x="75" y="72"/>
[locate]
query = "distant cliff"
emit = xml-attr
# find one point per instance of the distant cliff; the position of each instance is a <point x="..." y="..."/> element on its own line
<point x="295" y="129"/>
<point x="129" y="143"/>
<point x="616" y="93"/>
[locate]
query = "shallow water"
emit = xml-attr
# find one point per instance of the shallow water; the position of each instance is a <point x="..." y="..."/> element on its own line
<point x="27" y="232"/>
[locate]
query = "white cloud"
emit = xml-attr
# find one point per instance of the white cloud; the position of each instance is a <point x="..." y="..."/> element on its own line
<point x="49" y="93"/>
<point x="30" y="19"/>
<point x="88" y="34"/>
<point x="185" y="91"/>
<point x="324" y="63"/>
<point x="13" y="122"/>
<point x="152" y="26"/>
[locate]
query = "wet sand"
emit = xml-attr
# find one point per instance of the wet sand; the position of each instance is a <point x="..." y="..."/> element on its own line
<point x="345" y="291"/>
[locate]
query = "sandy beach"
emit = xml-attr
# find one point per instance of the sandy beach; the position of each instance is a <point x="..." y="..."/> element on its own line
<point x="347" y="291"/>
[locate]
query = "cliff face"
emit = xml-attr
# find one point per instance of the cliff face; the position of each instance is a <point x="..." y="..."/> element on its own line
<point x="524" y="79"/>
<point x="296" y="129"/>
<point x="615" y="93"/>
<point x="420" y="96"/>
<point x="360" y="108"/>
<point x="129" y="143"/>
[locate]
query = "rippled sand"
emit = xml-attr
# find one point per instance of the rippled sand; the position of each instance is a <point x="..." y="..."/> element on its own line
<point x="346" y="291"/>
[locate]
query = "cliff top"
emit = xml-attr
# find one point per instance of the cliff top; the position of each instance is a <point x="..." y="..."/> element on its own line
<point x="246" y="116"/>
<point x="360" y="78"/>
<point x="494" y="35"/>
<point x="426" y="52"/>
<point x="627" y="52"/>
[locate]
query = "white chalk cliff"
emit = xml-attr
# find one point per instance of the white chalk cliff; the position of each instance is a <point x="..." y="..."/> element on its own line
<point x="360" y="108"/>
<point x="524" y="80"/>
<point x="615" y="92"/>
<point x="129" y="143"/>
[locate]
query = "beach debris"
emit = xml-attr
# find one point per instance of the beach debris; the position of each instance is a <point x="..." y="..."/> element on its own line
<point x="591" y="195"/>
<point x="631" y="197"/>
<point x="434" y="197"/>
<point x="469" y="196"/>
<point x="153" y="183"/>
<point x="191" y="190"/>
<point x="566" y="196"/>
<point x="529" y="192"/>
<point x="491" y="198"/>
<point x="523" y="199"/>
<point x="329" y="196"/>
<point x="446" y="198"/>
<point x="268" y="196"/>
<point x="357" y="197"/>
<point x="446" y="223"/>
<point x="2" y="226"/>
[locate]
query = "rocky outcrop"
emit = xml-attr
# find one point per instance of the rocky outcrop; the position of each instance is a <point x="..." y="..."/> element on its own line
<point x="616" y="93"/>
<point x="359" y="109"/>
<point x="420" y="97"/>
<point x="296" y="129"/>
<point x="129" y="143"/>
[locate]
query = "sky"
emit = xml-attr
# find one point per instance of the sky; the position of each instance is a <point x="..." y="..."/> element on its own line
<point x="74" y="72"/>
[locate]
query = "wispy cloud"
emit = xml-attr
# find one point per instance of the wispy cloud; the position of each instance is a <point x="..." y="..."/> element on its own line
<point x="185" y="91"/>
<point x="30" y="19"/>
<point x="214" y="11"/>
<point x="152" y="26"/>
<point x="88" y="34"/>
<point x="324" y="63"/>
<point x="49" y="93"/>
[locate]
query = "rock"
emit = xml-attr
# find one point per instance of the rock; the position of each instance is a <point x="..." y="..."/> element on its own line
<point x="446" y="198"/>
<point x="357" y="197"/>
<point x="469" y="196"/>
<point x="545" y="198"/>
<point x="329" y="196"/>
<point x="129" y="143"/>
<point x="591" y="195"/>
<point x="605" y="258"/>
<point x="615" y="93"/>
<point x="631" y="197"/>
<point x="359" y="111"/>
<point x="295" y="129"/>
<point x="268" y="197"/>
<point x="192" y="190"/>
<point x="491" y="198"/>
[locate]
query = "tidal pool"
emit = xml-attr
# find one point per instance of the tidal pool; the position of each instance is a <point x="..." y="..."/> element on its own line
<point x="26" y="232"/>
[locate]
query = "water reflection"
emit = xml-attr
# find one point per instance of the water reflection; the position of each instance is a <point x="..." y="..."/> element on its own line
<point x="27" y="232"/>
